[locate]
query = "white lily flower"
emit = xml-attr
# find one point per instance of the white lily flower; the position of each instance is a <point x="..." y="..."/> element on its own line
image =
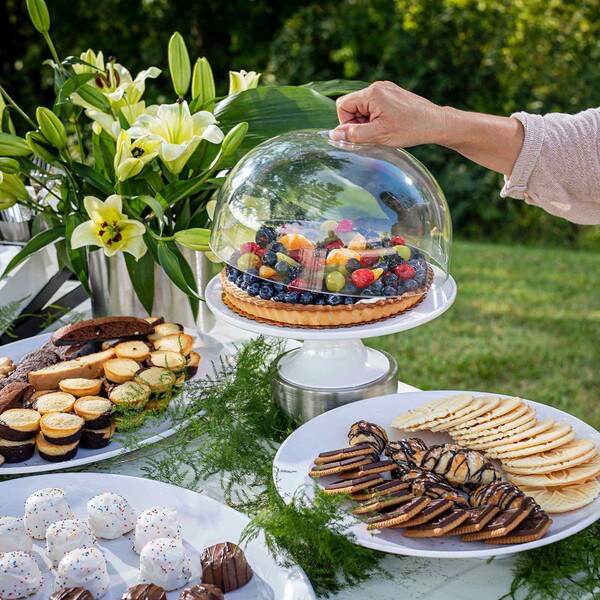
<point x="109" y="123"/>
<point x="178" y="131"/>
<point x="131" y="157"/>
<point x="114" y="81"/>
<point x="240" y="81"/>
<point x="109" y="229"/>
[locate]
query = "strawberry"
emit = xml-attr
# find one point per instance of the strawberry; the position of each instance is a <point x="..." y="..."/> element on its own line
<point x="249" y="247"/>
<point x="398" y="240"/>
<point x="297" y="285"/>
<point x="345" y="226"/>
<point x="261" y="252"/>
<point x="362" y="278"/>
<point x="404" y="272"/>
<point x="368" y="260"/>
<point x="334" y="244"/>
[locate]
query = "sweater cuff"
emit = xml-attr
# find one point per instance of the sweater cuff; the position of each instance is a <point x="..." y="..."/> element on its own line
<point x="516" y="184"/>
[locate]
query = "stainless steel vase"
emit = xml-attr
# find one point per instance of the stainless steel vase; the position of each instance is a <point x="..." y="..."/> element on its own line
<point x="113" y="293"/>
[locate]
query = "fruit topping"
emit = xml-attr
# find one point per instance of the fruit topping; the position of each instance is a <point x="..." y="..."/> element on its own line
<point x="266" y="272"/>
<point x="335" y="281"/>
<point x="358" y="242"/>
<point x="403" y="251"/>
<point x="341" y="256"/>
<point x="329" y="225"/>
<point x="377" y="273"/>
<point x="398" y="240"/>
<point x="265" y="235"/>
<point x="363" y="278"/>
<point x="345" y="226"/>
<point x="288" y="259"/>
<point x="405" y="272"/>
<point x="368" y="260"/>
<point x="249" y="247"/>
<point x="247" y="261"/>
<point x="334" y="244"/>
<point x="295" y="241"/>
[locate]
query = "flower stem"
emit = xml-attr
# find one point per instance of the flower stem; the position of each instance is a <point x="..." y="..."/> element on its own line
<point x="79" y="141"/>
<point x="53" y="52"/>
<point x="16" y="107"/>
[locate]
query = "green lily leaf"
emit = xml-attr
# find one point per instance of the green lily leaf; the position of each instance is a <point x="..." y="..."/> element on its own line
<point x="94" y="97"/>
<point x="104" y="148"/>
<point x="72" y="85"/>
<point x="37" y="242"/>
<point x="77" y="258"/>
<point x="75" y="60"/>
<point x="173" y="192"/>
<point x="141" y="273"/>
<point x="155" y="206"/>
<point x="93" y="178"/>
<point x="336" y="87"/>
<point x="271" y="111"/>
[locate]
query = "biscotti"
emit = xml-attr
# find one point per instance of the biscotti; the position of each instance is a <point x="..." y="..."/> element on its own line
<point x="15" y="395"/>
<point x="88" y="367"/>
<point x="101" y="329"/>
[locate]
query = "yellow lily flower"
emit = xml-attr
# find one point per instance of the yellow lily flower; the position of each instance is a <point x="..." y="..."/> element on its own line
<point x="12" y="190"/>
<point x="113" y="80"/>
<point x="109" y="229"/>
<point x="131" y="157"/>
<point x="239" y="81"/>
<point x="109" y="123"/>
<point x="178" y="131"/>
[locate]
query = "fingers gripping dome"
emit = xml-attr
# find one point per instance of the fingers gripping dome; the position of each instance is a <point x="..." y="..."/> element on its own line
<point x="322" y="233"/>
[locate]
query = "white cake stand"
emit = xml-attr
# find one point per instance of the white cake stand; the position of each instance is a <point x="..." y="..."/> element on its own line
<point x="333" y="366"/>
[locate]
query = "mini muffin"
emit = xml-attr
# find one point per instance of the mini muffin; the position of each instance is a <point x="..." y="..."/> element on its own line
<point x="61" y="429"/>
<point x="120" y="370"/>
<point x="159" y="380"/>
<point x="19" y="424"/>
<point x="94" y="439"/>
<point x="80" y="387"/>
<point x="97" y="412"/>
<point x="14" y="452"/>
<point x="182" y="343"/>
<point x="168" y="360"/>
<point x="134" y="350"/>
<point x="54" y="402"/>
<point x="56" y="452"/>
<point x="131" y="394"/>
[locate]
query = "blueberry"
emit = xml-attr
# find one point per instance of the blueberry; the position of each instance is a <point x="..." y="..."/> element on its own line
<point x="387" y="243"/>
<point x="250" y="275"/>
<point x="353" y="264"/>
<point x="294" y="273"/>
<point x="334" y="300"/>
<point x="292" y="297"/>
<point x="269" y="258"/>
<point x="381" y="264"/>
<point x="253" y="289"/>
<point x="278" y="247"/>
<point x="239" y="281"/>
<point x="266" y="292"/>
<point x="265" y="235"/>
<point x="306" y="298"/>
<point x="279" y="287"/>
<point x="420" y="277"/>
<point x="411" y="285"/>
<point x="391" y="279"/>
<point x="414" y="263"/>
<point x="415" y="253"/>
<point x="243" y="286"/>
<point x="279" y="297"/>
<point x="349" y="288"/>
<point x="377" y="286"/>
<point x="349" y="300"/>
<point x="388" y="290"/>
<point x="320" y="300"/>
<point x="395" y="261"/>
<point x="233" y="274"/>
<point x="282" y="268"/>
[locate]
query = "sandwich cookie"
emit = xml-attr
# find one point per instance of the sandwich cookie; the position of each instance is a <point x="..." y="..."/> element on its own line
<point x="61" y="429"/>
<point x="379" y="504"/>
<point x="19" y="424"/>
<point x="14" y="452"/>
<point x="97" y="412"/>
<point x="384" y="489"/>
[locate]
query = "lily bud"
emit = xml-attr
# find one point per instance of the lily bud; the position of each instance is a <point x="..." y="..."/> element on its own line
<point x="9" y="166"/>
<point x="12" y="190"/>
<point x="196" y="239"/>
<point x="203" y="84"/>
<point x="179" y="64"/>
<point x="240" y="81"/>
<point x="40" y="147"/>
<point x="12" y="145"/>
<point x="233" y="139"/>
<point x="51" y="127"/>
<point x="38" y="13"/>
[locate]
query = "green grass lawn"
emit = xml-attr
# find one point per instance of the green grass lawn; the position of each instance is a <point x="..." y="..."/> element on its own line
<point x="526" y="322"/>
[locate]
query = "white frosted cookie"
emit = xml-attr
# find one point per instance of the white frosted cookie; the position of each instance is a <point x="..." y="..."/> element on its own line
<point x="163" y="562"/>
<point x="43" y="508"/>
<point x="83" y="567"/>
<point x="13" y="536"/>
<point x="65" y="536"/>
<point x="19" y="575"/>
<point x="110" y="516"/>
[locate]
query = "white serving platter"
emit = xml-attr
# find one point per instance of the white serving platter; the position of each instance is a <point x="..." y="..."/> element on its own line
<point x="204" y="522"/>
<point x="329" y="431"/>
<point x="210" y="350"/>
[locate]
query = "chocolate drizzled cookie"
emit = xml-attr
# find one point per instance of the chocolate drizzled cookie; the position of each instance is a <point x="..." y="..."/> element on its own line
<point x="225" y="566"/>
<point x="145" y="591"/>
<point x="458" y="465"/>
<point x="503" y="495"/>
<point x="363" y="432"/>
<point x="404" y="450"/>
<point x="77" y="593"/>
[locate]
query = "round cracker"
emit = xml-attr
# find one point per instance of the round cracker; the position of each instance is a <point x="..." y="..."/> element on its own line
<point x="551" y="457"/>
<point x="561" y="478"/>
<point x="431" y="410"/>
<point x="477" y="408"/>
<point x="537" y="449"/>
<point x="571" y="497"/>
<point x="475" y="428"/>
<point x="557" y="430"/>
<point x="528" y="430"/>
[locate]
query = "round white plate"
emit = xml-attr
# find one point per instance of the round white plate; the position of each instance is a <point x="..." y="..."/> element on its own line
<point x="210" y="351"/>
<point x="204" y="522"/>
<point x="437" y="302"/>
<point x="330" y="430"/>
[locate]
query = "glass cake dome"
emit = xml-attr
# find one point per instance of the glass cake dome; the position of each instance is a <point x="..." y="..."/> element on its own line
<point x="331" y="222"/>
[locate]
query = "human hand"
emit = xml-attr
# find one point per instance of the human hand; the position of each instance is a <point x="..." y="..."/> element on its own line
<point x="384" y="113"/>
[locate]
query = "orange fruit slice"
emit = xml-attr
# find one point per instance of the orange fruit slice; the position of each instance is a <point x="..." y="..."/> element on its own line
<point x="295" y="241"/>
<point x="340" y="256"/>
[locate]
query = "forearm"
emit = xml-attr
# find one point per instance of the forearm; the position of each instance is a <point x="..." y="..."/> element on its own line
<point x="493" y="142"/>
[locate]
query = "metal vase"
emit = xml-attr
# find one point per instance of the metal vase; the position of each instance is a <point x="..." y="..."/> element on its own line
<point x="113" y="293"/>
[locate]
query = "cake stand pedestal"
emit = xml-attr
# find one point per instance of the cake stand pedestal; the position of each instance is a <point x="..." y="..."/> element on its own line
<point x="333" y="366"/>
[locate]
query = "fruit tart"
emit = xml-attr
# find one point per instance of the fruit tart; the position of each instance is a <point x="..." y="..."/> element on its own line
<point x="328" y="274"/>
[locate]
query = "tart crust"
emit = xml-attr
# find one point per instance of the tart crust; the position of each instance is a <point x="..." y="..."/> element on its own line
<point x="316" y="316"/>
